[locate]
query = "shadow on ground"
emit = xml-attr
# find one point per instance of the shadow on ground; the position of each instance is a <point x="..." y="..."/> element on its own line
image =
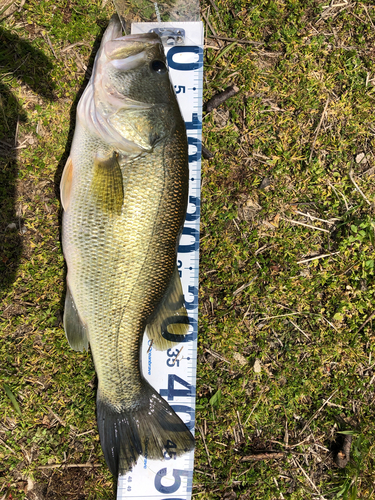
<point x="20" y="60"/>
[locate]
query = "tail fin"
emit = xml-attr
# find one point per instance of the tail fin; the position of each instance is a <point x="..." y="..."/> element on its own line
<point x="149" y="428"/>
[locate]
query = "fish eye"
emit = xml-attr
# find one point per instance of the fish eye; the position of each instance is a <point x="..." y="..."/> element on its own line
<point x="158" y="66"/>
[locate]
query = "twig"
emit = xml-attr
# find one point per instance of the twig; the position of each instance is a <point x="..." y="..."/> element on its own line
<point x="214" y="5"/>
<point x="263" y="248"/>
<point x="306" y="225"/>
<point x="330" y="324"/>
<point x="263" y="456"/>
<point x="317" y="257"/>
<point x="16" y="133"/>
<point x="318" y="411"/>
<point x="316" y="218"/>
<point x="307" y="477"/>
<point x="368" y="172"/>
<point x="68" y="466"/>
<point x="51" y="46"/>
<point x="238" y="40"/>
<point x="243" y="287"/>
<point x="323" y="447"/>
<point x="332" y="5"/>
<point x="216" y="355"/>
<point x="337" y="193"/>
<point x="277" y="486"/>
<point x="8" y="447"/>
<point x="318" y="129"/>
<point x="205" y="446"/>
<point x="277" y="338"/>
<point x="357" y="187"/>
<point x="222" y="444"/>
<point x="77" y="44"/>
<point x="280" y="316"/>
<point x="298" y="328"/>
<point x="246" y="313"/>
<point x="79" y="59"/>
<point x="256" y="404"/>
<point x="201" y="472"/>
<point x="240" y="425"/>
<point x="22" y="146"/>
<point x="244" y="472"/>
<point x="365" y="323"/>
<point x="367" y="14"/>
<point x="335" y="405"/>
<point x="326" y="13"/>
<point x="221" y="97"/>
<point x="235" y="223"/>
<point x="18" y="67"/>
<point x="84" y="433"/>
<point x="363" y="21"/>
<point x="270" y="54"/>
<point x="290" y="446"/>
<point x="211" y="28"/>
<point x="369" y="384"/>
<point x="60" y="420"/>
<point x="5" y="495"/>
<point x="199" y="492"/>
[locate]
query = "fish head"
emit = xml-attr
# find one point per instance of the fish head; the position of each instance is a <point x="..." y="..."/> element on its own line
<point x="132" y="105"/>
<point x="137" y="68"/>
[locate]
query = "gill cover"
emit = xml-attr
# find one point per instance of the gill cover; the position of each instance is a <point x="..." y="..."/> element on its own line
<point x="104" y="108"/>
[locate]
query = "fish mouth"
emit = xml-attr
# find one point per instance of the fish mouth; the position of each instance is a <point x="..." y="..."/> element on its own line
<point x="141" y="38"/>
<point x="130" y="51"/>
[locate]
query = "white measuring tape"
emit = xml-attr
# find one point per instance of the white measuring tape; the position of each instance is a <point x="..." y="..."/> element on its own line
<point x="173" y="372"/>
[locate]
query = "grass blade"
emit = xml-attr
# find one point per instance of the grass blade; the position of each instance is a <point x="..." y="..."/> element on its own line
<point x="11" y="396"/>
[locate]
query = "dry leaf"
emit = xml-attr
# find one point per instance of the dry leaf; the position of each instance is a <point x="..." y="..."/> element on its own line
<point x="257" y="366"/>
<point x="241" y="359"/>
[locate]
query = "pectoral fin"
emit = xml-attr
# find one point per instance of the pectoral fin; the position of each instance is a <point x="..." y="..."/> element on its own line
<point x="75" y="330"/>
<point x="170" y="321"/>
<point x="107" y="185"/>
<point x="66" y="183"/>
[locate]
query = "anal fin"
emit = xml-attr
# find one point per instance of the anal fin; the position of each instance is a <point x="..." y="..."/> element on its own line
<point x="75" y="330"/>
<point x="170" y="320"/>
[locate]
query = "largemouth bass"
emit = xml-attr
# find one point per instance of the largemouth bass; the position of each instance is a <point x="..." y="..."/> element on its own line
<point x="124" y="191"/>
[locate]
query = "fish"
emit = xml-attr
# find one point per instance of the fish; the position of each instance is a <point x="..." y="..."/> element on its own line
<point x="124" y="193"/>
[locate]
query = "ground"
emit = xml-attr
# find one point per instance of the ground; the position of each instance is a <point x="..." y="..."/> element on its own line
<point x="286" y="364"/>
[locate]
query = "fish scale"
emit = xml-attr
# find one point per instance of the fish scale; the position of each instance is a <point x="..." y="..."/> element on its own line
<point x="139" y="279"/>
